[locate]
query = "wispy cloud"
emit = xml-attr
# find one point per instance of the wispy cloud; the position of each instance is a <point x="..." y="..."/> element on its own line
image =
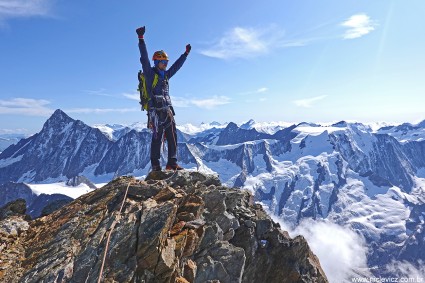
<point x="99" y="92"/>
<point x="257" y="91"/>
<point x="24" y="8"/>
<point x="39" y="107"/>
<point x="179" y="101"/>
<point x="333" y="243"/>
<point x="206" y="103"/>
<point x="14" y="131"/>
<point x="132" y="96"/>
<point x="211" y="102"/>
<point x="25" y="106"/>
<point x="404" y="269"/>
<point x="101" y="110"/>
<point x="358" y="26"/>
<point x="309" y="102"/>
<point x="247" y="42"/>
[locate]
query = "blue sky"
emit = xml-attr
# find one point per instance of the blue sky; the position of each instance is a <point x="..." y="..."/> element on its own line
<point x="293" y="61"/>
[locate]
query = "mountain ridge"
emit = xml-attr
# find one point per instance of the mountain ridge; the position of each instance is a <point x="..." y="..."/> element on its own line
<point x="173" y="227"/>
<point x="304" y="171"/>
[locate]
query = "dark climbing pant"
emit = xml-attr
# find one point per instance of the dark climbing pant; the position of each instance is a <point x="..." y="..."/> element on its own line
<point x="171" y="137"/>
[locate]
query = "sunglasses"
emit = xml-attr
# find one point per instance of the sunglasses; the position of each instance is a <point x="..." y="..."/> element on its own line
<point x="165" y="62"/>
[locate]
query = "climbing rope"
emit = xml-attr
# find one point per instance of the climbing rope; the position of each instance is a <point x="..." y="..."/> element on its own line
<point x="118" y="216"/>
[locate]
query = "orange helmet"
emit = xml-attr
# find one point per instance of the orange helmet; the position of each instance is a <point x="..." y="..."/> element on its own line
<point x="160" y="55"/>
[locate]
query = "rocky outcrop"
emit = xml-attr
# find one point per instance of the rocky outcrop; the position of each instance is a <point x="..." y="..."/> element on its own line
<point x="13" y="208"/>
<point x="13" y="228"/>
<point x="64" y="147"/>
<point x="36" y="205"/>
<point x="173" y="227"/>
<point x="78" y="180"/>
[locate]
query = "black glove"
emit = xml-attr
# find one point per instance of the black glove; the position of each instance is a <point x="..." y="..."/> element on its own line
<point x="140" y="32"/>
<point x="188" y="48"/>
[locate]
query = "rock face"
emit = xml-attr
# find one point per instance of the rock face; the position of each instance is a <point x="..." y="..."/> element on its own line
<point x="78" y="180"/>
<point x="64" y="147"/>
<point x="13" y="228"/>
<point x="173" y="227"/>
<point x="13" y="208"/>
<point x="36" y="205"/>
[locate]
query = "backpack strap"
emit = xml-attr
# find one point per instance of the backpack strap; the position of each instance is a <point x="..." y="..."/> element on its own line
<point x="155" y="80"/>
<point x="144" y="95"/>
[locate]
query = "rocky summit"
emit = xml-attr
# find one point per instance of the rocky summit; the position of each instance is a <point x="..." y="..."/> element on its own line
<point x="172" y="227"/>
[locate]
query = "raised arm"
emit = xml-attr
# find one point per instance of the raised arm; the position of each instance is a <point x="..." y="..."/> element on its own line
<point x="144" y="58"/>
<point x="179" y="62"/>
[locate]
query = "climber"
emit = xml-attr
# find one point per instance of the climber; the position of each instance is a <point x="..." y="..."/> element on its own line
<point x="160" y="110"/>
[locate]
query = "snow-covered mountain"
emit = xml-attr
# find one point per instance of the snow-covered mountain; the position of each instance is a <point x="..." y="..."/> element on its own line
<point x="62" y="149"/>
<point x="367" y="180"/>
<point x="7" y="140"/>
<point x="41" y="197"/>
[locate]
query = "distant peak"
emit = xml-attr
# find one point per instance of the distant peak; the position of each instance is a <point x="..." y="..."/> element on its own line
<point x="59" y="114"/>
<point x="340" y="124"/>
<point x="309" y="124"/>
<point x="422" y="124"/>
<point x="248" y="125"/>
<point x="232" y="125"/>
<point x="58" y="120"/>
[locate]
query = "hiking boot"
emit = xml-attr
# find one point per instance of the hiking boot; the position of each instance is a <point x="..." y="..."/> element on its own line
<point x="156" y="168"/>
<point x="173" y="167"/>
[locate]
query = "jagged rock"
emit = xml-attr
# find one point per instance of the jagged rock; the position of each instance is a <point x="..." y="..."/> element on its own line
<point x="183" y="178"/>
<point x="229" y="239"/>
<point x="36" y="204"/>
<point x="12" y="234"/>
<point x="189" y="271"/>
<point x="78" y="180"/>
<point x="17" y="207"/>
<point x="55" y="205"/>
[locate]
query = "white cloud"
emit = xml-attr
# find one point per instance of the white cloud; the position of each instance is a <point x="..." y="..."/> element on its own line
<point x="101" y="110"/>
<point x="404" y="269"/>
<point x="24" y="8"/>
<point x="180" y="101"/>
<point x="99" y="92"/>
<point x="308" y="102"/>
<point x="38" y="107"/>
<point x="242" y="42"/>
<point x="25" y="106"/>
<point x="132" y="96"/>
<point x="257" y="91"/>
<point x="13" y="132"/>
<point x="358" y="25"/>
<point x="209" y="103"/>
<point x="332" y="243"/>
<point x="206" y="103"/>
